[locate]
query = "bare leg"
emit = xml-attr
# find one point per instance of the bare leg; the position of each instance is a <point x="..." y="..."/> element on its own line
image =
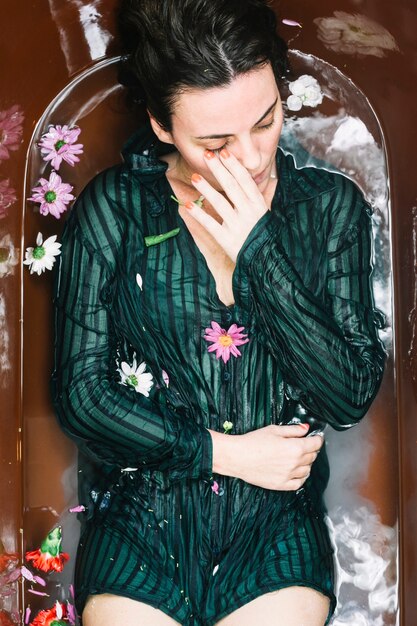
<point x="109" y="610"/>
<point x="293" y="606"/>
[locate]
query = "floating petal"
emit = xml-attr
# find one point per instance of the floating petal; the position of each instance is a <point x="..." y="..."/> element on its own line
<point x="291" y="23"/>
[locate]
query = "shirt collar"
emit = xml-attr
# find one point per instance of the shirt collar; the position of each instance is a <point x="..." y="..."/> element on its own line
<point x="142" y="153"/>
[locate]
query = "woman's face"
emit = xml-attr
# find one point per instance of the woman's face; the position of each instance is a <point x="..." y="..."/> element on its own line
<point x="245" y="116"/>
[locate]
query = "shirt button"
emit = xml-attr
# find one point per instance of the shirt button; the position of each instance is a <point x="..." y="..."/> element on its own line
<point x="228" y="316"/>
<point x="226" y="376"/>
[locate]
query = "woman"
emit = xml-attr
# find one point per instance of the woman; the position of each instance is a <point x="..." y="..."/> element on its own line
<point x="243" y="285"/>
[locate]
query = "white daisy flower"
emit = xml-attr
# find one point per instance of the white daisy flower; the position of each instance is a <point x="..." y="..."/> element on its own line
<point x="136" y="377"/>
<point x="305" y="92"/>
<point x="228" y="427"/>
<point x="42" y="257"/>
<point x="8" y="256"/>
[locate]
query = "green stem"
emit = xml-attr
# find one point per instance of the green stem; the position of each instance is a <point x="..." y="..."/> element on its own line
<point x="153" y="240"/>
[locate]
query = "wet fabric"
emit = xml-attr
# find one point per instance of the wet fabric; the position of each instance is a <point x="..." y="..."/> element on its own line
<point x="155" y="530"/>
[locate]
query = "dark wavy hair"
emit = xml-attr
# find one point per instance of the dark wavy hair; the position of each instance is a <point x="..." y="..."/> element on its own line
<point x="170" y="46"/>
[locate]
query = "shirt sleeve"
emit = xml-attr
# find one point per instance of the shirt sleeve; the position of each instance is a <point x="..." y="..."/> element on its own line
<point x="328" y="348"/>
<point x="110" y="422"/>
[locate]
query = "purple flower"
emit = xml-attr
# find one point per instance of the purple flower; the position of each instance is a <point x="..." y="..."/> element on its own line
<point x="72" y="615"/>
<point x="53" y="195"/>
<point x="7" y="196"/>
<point x="11" y="130"/>
<point x="58" y="145"/>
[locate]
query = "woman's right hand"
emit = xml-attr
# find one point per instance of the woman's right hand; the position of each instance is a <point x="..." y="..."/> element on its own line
<point x="273" y="457"/>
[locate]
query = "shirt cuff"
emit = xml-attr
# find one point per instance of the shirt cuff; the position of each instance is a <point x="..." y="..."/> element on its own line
<point x="201" y="467"/>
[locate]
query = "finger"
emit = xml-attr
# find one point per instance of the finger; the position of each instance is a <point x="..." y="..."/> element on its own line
<point x="216" y="199"/>
<point x="309" y="458"/>
<point x="295" y="484"/>
<point x="241" y="175"/>
<point x="210" y="224"/>
<point x="302" y="472"/>
<point x="293" y="430"/>
<point x="227" y="180"/>
<point x="312" y="444"/>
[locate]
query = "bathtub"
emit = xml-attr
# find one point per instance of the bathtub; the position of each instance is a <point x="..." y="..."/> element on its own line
<point x="59" y="66"/>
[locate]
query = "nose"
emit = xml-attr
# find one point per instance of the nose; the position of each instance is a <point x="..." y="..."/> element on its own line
<point x="247" y="152"/>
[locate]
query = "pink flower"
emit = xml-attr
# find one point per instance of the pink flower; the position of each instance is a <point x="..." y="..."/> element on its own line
<point x="53" y="195"/>
<point x="165" y="378"/>
<point x="58" y="145"/>
<point x="11" y="130"/>
<point x="225" y="342"/>
<point x="7" y="196"/>
<point x="215" y="487"/>
<point x="71" y="613"/>
<point x="288" y="22"/>
<point x="80" y="508"/>
<point x="32" y="578"/>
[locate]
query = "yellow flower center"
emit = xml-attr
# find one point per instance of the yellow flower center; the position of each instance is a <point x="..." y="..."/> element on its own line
<point x="225" y="341"/>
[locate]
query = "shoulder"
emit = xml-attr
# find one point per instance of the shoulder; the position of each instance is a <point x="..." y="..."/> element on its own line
<point x="104" y="197"/>
<point x="103" y="209"/>
<point x="317" y="179"/>
<point x="332" y="196"/>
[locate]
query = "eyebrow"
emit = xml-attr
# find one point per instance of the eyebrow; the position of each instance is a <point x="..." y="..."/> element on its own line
<point x="267" y="112"/>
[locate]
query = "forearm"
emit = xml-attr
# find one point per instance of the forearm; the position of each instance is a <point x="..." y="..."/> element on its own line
<point x="226" y="452"/>
<point x="327" y="348"/>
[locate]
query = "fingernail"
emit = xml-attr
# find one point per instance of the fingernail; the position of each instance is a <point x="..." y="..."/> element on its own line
<point x="189" y="205"/>
<point x="224" y="153"/>
<point x="306" y="426"/>
<point x="196" y="178"/>
<point x="209" y="154"/>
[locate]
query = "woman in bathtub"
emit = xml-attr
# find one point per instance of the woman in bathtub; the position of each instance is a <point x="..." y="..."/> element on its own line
<point x="214" y="312"/>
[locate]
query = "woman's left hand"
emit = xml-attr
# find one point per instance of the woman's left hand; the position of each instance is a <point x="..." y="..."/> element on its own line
<point x="240" y="211"/>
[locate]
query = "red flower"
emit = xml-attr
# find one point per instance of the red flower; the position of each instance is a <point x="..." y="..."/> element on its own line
<point x="5" y="560"/>
<point x="51" y="617"/>
<point x="5" y="619"/>
<point x="49" y="557"/>
<point x="46" y="562"/>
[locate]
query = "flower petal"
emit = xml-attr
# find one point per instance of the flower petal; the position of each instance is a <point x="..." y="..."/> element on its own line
<point x="288" y="22"/>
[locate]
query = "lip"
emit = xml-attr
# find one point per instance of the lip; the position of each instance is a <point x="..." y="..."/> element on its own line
<point x="259" y="178"/>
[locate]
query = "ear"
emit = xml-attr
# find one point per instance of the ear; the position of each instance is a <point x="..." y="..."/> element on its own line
<point x="162" y="134"/>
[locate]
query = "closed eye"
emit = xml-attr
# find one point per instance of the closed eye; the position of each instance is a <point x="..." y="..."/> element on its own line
<point x="227" y="142"/>
<point x="266" y="126"/>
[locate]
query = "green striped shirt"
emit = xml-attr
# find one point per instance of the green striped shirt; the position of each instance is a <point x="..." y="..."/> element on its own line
<point x="302" y="293"/>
